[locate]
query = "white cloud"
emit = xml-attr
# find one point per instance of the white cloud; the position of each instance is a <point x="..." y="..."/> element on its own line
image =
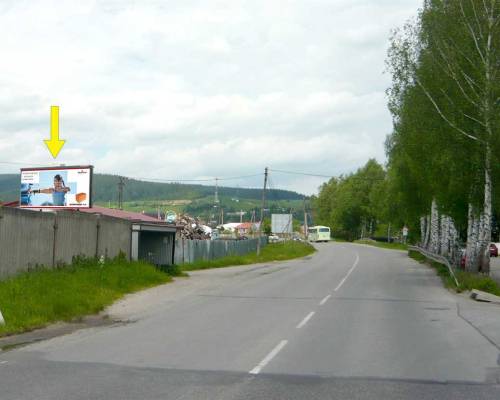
<point x="193" y="89"/>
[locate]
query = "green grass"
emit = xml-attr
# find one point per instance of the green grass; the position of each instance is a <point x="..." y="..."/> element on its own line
<point x="383" y="245"/>
<point x="37" y="298"/>
<point x="466" y="280"/>
<point x="271" y="252"/>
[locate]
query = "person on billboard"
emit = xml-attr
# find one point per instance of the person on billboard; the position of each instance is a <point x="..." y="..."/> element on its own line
<point x="58" y="192"/>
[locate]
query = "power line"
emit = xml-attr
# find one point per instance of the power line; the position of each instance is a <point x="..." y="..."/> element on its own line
<point x="326" y="176"/>
<point x="301" y="173"/>
<point x="240" y="177"/>
<point x="163" y="180"/>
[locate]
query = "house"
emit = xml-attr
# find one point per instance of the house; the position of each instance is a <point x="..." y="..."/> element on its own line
<point x="246" y="228"/>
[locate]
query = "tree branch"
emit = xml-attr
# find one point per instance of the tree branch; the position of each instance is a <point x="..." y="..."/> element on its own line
<point x="438" y="109"/>
<point x="474" y="38"/>
<point x="447" y="68"/>
<point x="450" y="100"/>
<point x="477" y="19"/>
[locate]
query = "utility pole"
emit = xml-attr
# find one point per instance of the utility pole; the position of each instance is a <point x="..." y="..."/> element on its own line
<point x="121" y="184"/>
<point x="262" y="210"/>
<point x="306" y="228"/>
<point x="214" y="219"/>
<point x="216" y="199"/>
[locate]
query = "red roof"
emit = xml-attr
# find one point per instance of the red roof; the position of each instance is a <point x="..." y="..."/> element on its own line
<point x="10" y="203"/>
<point x="110" y="212"/>
<point x="113" y="212"/>
<point x="246" y="225"/>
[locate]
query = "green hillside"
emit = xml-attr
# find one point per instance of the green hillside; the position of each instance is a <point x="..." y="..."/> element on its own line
<point x="196" y="199"/>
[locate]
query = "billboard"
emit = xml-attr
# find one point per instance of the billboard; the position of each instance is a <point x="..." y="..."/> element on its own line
<point x="56" y="187"/>
<point x="281" y="223"/>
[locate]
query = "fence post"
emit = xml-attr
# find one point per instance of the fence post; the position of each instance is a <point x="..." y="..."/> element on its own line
<point x="98" y="228"/>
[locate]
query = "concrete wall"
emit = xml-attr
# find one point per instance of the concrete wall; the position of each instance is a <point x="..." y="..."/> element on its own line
<point x="33" y="238"/>
<point x="189" y="251"/>
<point x="114" y="236"/>
<point x="26" y="240"/>
<point x="76" y="233"/>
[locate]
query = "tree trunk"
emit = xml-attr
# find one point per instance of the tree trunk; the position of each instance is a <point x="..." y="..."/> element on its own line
<point x="423" y="227"/>
<point x="485" y="236"/>
<point x="444" y="237"/>
<point x="472" y="261"/>
<point x="427" y="232"/>
<point x="434" y="228"/>
<point x="454" y="250"/>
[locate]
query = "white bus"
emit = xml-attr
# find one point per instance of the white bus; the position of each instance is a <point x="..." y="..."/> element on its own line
<point x="318" y="234"/>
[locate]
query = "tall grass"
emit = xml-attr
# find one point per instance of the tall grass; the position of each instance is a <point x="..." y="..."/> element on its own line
<point x="272" y="252"/>
<point x="466" y="280"/>
<point x="34" y="299"/>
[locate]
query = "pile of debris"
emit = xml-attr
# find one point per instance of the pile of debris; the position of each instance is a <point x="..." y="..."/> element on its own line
<point x="191" y="228"/>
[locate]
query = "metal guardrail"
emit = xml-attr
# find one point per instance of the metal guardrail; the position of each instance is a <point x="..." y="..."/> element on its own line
<point x="437" y="258"/>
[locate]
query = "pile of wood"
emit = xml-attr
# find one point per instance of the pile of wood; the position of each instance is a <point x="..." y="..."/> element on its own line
<point x="191" y="228"/>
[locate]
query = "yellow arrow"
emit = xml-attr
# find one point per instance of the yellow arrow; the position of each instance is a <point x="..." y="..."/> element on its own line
<point x="54" y="144"/>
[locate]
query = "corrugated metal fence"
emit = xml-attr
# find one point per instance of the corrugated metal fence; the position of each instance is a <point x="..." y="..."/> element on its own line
<point x="189" y="251"/>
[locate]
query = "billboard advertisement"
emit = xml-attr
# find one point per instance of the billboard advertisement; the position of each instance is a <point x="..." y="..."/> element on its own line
<point x="281" y="223"/>
<point x="56" y="187"/>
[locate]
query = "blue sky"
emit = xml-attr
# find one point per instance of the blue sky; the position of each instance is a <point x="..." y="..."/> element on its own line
<point x="196" y="89"/>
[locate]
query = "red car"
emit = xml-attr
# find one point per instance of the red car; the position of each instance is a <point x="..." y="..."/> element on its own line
<point x="493" y="253"/>
<point x="493" y="250"/>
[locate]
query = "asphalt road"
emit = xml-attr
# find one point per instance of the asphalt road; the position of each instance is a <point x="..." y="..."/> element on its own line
<point x="350" y="322"/>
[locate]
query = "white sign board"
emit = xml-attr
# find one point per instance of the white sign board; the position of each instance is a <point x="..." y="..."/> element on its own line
<point x="58" y="187"/>
<point x="281" y="223"/>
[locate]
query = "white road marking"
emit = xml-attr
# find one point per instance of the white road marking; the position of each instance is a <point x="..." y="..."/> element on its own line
<point x="269" y="357"/>
<point x="348" y="273"/>
<point x="3" y="362"/>
<point x="325" y="300"/>
<point x="304" y="321"/>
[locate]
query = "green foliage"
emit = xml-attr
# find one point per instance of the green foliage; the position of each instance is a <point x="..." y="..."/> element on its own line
<point x="267" y="227"/>
<point x="106" y="190"/>
<point x="271" y="252"/>
<point x="355" y="203"/>
<point x="35" y="299"/>
<point x="443" y="95"/>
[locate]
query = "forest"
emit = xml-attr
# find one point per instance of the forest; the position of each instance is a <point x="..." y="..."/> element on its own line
<point x="442" y="173"/>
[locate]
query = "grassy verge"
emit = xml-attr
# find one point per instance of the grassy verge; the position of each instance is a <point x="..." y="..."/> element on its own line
<point x="35" y="299"/>
<point x="466" y="280"/>
<point x="271" y="252"/>
<point x="383" y="245"/>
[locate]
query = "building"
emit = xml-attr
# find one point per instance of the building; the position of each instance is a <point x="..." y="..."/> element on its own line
<point x="246" y="228"/>
<point x="92" y="232"/>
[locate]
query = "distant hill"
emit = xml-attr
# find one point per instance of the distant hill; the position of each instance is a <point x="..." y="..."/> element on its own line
<point x="106" y="190"/>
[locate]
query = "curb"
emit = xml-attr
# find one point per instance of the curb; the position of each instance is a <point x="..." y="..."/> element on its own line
<point x="484" y="297"/>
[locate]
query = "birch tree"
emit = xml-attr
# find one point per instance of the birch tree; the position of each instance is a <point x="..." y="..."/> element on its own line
<point x="461" y="39"/>
<point x="450" y="56"/>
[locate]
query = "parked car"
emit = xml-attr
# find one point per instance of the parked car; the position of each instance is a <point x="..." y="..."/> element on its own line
<point x="493" y="250"/>
<point x="493" y="253"/>
<point x="273" y="239"/>
<point x="462" y="257"/>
